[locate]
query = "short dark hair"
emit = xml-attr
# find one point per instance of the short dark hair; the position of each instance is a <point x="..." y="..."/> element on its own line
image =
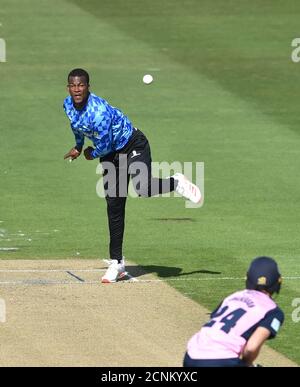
<point x="79" y="73"/>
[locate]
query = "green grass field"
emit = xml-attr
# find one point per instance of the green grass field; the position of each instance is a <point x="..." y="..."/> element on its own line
<point x="225" y="92"/>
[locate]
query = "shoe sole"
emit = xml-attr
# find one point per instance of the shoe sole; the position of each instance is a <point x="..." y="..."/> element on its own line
<point x="199" y="195"/>
<point x="194" y="188"/>
<point x="120" y="276"/>
<point x="196" y="198"/>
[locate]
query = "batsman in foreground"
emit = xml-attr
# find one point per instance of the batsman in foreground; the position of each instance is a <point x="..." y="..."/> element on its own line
<point x="117" y="143"/>
<point x="242" y="322"/>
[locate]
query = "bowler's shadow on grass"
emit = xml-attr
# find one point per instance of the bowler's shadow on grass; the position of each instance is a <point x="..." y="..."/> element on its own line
<point x="164" y="271"/>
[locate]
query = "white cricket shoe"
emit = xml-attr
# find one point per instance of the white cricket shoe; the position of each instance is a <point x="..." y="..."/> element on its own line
<point x="114" y="271"/>
<point x="186" y="188"/>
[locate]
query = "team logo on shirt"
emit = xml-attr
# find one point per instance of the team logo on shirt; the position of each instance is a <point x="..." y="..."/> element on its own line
<point x="275" y="324"/>
<point x="96" y="135"/>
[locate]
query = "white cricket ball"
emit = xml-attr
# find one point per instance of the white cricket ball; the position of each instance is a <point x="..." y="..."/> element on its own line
<point x="147" y="79"/>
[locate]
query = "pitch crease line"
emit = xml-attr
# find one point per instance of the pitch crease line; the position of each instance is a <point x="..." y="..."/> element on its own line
<point x="130" y="280"/>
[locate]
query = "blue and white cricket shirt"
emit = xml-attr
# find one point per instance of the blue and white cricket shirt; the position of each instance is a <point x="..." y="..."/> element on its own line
<point x="106" y="126"/>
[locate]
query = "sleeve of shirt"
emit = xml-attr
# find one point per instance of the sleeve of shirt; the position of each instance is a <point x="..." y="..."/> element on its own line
<point x="102" y="123"/>
<point x="79" y="139"/>
<point x="272" y="321"/>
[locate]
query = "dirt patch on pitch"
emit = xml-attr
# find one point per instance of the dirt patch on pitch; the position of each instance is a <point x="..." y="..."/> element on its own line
<point x="59" y="314"/>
